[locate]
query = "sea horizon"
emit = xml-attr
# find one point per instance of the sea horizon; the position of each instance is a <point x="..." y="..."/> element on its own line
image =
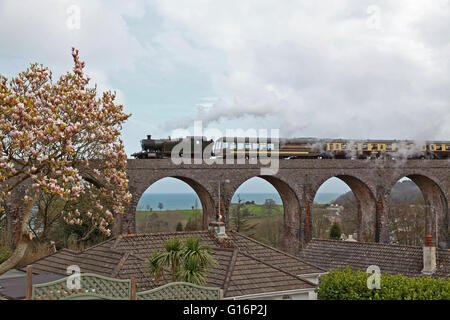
<point x="184" y="201"/>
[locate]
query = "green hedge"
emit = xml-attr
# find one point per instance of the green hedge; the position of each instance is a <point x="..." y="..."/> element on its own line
<point x="347" y="284"/>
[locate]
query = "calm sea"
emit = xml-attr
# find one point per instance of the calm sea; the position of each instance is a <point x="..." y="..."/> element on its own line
<point x="180" y="201"/>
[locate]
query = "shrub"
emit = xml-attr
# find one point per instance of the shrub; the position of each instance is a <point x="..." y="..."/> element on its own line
<point x="347" y="284"/>
<point x="335" y="231"/>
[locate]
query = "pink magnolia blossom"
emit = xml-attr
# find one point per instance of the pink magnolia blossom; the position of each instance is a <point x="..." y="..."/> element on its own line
<point x="53" y="132"/>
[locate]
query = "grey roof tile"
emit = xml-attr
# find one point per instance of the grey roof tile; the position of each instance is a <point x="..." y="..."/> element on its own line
<point x="392" y="259"/>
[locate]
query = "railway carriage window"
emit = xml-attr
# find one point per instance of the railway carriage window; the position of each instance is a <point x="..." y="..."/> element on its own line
<point x="225" y="145"/>
<point x="255" y="146"/>
<point x="240" y="146"/>
<point x="336" y="146"/>
<point x="247" y="146"/>
<point x="388" y="147"/>
<point x="438" y="147"/>
<point x="232" y="145"/>
<point x="364" y="146"/>
<point x="447" y="147"/>
<point x="344" y="146"/>
<point x="262" y="146"/>
<point x="271" y="146"/>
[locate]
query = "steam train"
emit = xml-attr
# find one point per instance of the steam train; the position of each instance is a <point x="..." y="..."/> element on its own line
<point x="162" y="148"/>
<point x="294" y="148"/>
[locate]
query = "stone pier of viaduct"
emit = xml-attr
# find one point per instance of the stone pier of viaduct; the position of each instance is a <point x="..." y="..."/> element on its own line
<point x="297" y="182"/>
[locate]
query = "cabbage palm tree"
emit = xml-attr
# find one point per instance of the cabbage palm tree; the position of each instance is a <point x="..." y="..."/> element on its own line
<point x="155" y="266"/>
<point x="188" y="263"/>
<point x="197" y="259"/>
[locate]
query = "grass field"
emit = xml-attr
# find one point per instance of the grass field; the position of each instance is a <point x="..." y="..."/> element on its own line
<point x="167" y="220"/>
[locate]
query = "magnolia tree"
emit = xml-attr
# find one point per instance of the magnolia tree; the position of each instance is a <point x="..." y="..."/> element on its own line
<point x="61" y="139"/>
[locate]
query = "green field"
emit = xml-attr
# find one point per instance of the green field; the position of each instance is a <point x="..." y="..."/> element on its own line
<point x="181" y="214"/>
<point x="170" y="218"/>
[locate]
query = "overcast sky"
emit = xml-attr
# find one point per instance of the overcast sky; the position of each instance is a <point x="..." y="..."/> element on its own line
<point x="350" y="69"/>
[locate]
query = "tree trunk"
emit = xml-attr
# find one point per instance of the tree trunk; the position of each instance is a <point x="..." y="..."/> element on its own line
<point x="22" y="244"/>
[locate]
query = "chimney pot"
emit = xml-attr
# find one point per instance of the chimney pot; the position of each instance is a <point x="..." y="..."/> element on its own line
<point x="429" y="256"/>
<point x="429" y="240"/>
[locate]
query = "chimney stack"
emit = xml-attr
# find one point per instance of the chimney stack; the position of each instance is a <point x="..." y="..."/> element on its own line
<point x="429" y="256"/>
<point x="218" y="229"/>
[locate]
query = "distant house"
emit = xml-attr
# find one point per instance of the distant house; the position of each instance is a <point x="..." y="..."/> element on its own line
<point x="392" y="259"/>
<point x="247" y="269"/>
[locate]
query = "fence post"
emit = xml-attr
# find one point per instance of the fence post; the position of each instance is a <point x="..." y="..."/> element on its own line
<point x="29" y="282"/>
<point x="133" y="288"/>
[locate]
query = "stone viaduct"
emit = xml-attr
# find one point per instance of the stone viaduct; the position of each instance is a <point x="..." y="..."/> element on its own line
<point x="297" y="182"/>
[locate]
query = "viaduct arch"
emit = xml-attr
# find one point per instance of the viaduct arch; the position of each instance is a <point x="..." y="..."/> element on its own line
<point x="297" y="182"/>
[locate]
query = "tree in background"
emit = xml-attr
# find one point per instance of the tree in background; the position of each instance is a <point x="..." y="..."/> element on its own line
<point x="179" y="226"/>
<point x="407" y="221"/>
<point x="49" y="210"/>
<point x="160" y="206"/>
<point x="320" y="222"/>
<point x="270" y="205"/>
<point x="239" y="214"/>
<point x="193" y="224"/>
<point x="271" y="232"/>
<point x="48" y="133"/>
<point x="335" y="231"/>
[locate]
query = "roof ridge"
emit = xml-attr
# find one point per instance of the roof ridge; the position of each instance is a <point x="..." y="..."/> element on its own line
<point x="98" y="244"/>
<point x="130" y="235"/>
<point x="278" y="250"/>
<point x="119" y="265"/>
<point x="277" y="268"/>
<point x="370" y="243"/>
<point x="230" y="269"/>
<point x="116" y="242"/>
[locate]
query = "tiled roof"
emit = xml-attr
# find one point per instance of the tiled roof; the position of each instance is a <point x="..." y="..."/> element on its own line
<point x="278" y="258"/>
<point x="393" y="259"/>
<point x="100" y="259"/>
<point x="244" y="267"/>
<point x="251" y="275"/>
